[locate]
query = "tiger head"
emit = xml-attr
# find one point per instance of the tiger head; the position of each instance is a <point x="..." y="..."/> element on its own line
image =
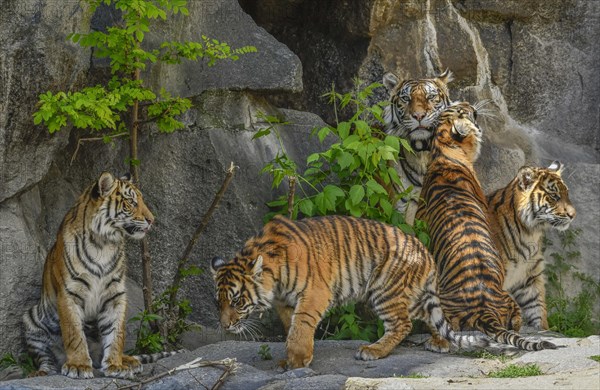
<point x="458" y="130"/>
<point x="415" y="106"/>
<point x="121" y="209"/>
<point x="240" y="291"/>
<point x="545" y="197"/>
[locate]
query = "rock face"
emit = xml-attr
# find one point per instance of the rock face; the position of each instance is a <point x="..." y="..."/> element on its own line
<point x="536" y="62"/>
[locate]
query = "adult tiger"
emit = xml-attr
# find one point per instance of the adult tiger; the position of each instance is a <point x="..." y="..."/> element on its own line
<point x="83" y="286"/>
<point x="537" y="199"/>
<point x="305" y="267"/>
<point x="412" y="114"/>
<point x="471" y="273"/>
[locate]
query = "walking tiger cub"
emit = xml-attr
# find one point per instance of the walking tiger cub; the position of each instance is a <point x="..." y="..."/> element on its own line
<point x="83" y="286"/>
<point x="471" y="273"/>
<point x="306" y="267"/>
<point x="537" y="199"/>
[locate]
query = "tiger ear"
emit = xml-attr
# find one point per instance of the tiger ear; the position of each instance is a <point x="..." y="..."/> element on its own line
<point x="215" y="264"/>
<point x="527" y="177"/>
<point x="126" y="177"/>
<point x="445" y="77"/>
<point x="105" y="184"/>
<point x="390" y="80"/>
<point x="557" y="167"/>
<point x="257" y="266"/>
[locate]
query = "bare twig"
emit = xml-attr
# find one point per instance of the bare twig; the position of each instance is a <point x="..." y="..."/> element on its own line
<point x="205" y="219"/>
<point x="291" y="195"/>
<point x="92" y="139"/>
<point x="229" y="365"/>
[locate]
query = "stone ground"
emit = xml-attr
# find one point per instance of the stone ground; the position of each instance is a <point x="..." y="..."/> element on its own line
<point x="334" y="367"/>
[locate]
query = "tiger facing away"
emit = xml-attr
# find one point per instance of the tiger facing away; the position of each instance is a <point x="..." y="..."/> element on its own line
<point x="471" y="273"/>
<point x="412" y="114"/>
<point x="83" y="286"/>
<point x="303" y="268"/>
<point x="536" y="200"/>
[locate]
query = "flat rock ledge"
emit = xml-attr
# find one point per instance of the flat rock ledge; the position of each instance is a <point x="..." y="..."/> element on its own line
<point x="334" y="367"/>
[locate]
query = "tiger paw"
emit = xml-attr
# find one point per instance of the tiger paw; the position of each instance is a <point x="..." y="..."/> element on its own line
<point x="77" y="371"/>
<point x="437" y="344"/>
<point x="368" y="352"/>
<point x="118" y="371"/>
<point x="37" y="373"/>
<point x="133" y="363"/>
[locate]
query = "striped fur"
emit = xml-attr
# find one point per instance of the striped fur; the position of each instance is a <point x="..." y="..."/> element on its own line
<point x="83" y="289"/>
<point x="412" y="114"/>
<point x="303" y="268"/>
<point x="471" y="273"/>
<point x="537" y="199"/>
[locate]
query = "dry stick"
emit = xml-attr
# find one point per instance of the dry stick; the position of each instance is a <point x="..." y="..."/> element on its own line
<point x="229" y="364"/>
<point x="91" y="139"/>
<point x="185" y="257"/>
<point x="290" y="199"/>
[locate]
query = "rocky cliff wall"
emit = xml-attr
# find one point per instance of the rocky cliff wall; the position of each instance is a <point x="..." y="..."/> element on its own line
<point x="537" y="61"/>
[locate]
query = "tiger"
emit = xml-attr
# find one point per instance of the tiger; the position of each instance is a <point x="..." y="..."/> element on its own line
<point x="303" y="268"/>
<point x="83" y="287"/>
<point x="470" y="270"/>
<point x="412" y="114"/>
<point x="536" y="200"/>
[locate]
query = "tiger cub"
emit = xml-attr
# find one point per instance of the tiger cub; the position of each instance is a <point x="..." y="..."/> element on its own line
<point x="471" y="273"/>
<point x="83" y="286"/>
<point x="412" y="114"/>
<point x="535" y="200"/>
<point x="303" y="268"/>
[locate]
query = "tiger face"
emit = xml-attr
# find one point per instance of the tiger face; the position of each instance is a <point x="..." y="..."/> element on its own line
<point x="458" y="129"/>
<point x="239" y="292"/>
<point x="121" y="209"/>
<point x="415" y="107"/>
<point x="546" y="202"/>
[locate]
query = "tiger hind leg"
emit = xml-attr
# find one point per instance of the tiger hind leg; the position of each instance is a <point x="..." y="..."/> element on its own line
<point x="397" y="324"/>
<point x="532" y="301"/>
<point x="39" y="339"/>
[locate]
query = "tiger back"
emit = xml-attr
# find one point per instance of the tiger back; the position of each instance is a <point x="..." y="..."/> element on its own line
<point x="536" y="200"/>
<point x="83" y="287"/>
<point x="414" y="108"/>
<point x="305" y="267"/>
<point x="471" y="273"/>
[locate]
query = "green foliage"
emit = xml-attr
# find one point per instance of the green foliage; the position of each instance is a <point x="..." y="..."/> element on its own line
<point x="99" y="108"/>
<point x="170" y="323"/>
<point x="571" y="316"/>
<point x="515" y="371"/>
<point x="264" y="351"/>
<point x="147" y="340"/>
<point x="349" y="324"/>
<point x="595" y="357"/>
<point x="24" y="362"/>
<point x="483" y="354"/>
<point x="414" y="375"/>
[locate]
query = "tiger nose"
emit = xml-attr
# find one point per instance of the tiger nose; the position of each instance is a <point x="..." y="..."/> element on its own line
<point x="150" y="220"/>
<point x="571" y="212"/>
<point x="419" y="115"/>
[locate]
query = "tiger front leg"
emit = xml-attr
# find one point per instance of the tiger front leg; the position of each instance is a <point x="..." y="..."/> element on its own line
<point x="531" y="299"/>
<point x="397" y="326"/>
<point x="300" y="339"/>
<point x="78" y="364"/>
<point x="111" y="324"/>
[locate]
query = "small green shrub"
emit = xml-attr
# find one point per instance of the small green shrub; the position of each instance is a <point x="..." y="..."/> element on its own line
<point x="483" y="354"/>
<point x="571" y="316"/>
<point x="345" y="323"/>
<point x="416" y="375"/>
<point x="147" y="340"/>
<point x="264" y="351"/>
<point x="24" y="362"/>
<point x="596" y="358"/>
<point x="515" y="371"/>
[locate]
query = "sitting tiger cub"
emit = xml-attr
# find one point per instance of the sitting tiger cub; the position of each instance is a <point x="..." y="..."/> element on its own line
<point x="535" y="200"/>
<point x="306" y="267"/>
<point x="84" y="283"/>
<point x="471" y="272"/>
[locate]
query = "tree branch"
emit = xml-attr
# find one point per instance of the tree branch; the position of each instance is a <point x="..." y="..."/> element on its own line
<point x="205" y="219"/>
<point x="291" y="195"/>
<point x="92" y="139"/>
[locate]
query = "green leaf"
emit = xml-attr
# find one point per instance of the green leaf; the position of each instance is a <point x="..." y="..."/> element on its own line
<point x="343" y="129"/>
<point x="307" y="207"/>
<point x="312" y="158"/>
<point x="357" y="193"/>
<point x="261" y="133"/>
<point x="376" y="187"/>
<point x="345" y="159"/>
<point x="323" y="133"/>
<point x="386" y="206"/>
